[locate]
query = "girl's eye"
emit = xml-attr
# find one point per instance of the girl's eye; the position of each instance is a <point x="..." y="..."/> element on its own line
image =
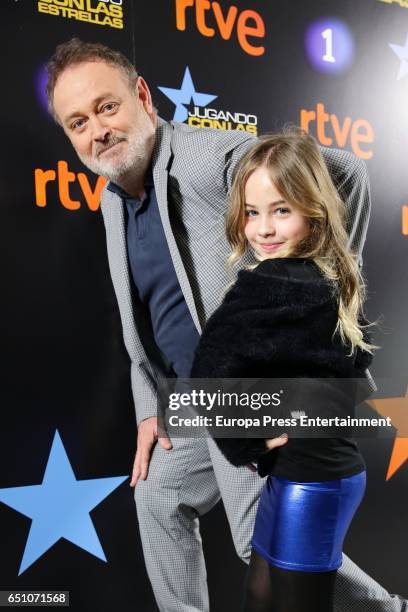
<point x="282" y="210"/>
<point x="251" y="213"/>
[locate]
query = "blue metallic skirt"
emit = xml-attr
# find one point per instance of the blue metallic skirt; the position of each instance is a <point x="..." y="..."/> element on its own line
<point x="302" y="525"/>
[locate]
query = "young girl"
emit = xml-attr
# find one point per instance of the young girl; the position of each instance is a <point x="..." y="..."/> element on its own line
<point x="298" y="313"/>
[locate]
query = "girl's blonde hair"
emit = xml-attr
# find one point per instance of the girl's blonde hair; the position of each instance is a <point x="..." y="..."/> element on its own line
<point x="297" y="168"/>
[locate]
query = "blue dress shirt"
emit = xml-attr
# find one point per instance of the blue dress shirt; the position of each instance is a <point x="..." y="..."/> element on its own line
<point x="156" y="280"/>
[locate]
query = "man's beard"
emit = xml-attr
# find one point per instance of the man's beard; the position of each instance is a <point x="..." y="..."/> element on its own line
<point x="133" y="159"/>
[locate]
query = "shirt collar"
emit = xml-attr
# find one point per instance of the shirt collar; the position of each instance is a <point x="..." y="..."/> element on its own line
<point x="148" y="182"/>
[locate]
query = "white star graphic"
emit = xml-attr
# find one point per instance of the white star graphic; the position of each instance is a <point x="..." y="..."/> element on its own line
<point x="402" y="53"/>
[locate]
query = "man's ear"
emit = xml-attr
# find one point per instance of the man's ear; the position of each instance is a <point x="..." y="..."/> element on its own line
<point x="144" y="94"/>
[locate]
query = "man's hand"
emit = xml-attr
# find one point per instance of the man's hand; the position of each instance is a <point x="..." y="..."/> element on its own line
<point x="146" y="439"/>
<point x="275" y="442"/>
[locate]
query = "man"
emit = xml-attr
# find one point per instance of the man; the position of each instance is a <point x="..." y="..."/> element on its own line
<point x="163" y="210"/>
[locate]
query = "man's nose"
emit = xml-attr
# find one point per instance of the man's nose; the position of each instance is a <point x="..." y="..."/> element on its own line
<point x="99" y="129"/>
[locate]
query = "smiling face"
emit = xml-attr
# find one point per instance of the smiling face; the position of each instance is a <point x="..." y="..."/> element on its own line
<point x="270" y="221"/>
<point x="109" y="121"/>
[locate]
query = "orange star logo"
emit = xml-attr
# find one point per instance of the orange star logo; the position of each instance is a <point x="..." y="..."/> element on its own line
<point x="397" y="409"/>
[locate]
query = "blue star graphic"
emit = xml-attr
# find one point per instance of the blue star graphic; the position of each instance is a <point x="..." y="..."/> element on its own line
<point x="59" y="507"/>
<point x="184" y="95"/>
<point x="402" y="53"/>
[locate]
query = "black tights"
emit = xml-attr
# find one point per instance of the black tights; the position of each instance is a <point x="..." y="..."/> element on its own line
<point x="272" y="589"/>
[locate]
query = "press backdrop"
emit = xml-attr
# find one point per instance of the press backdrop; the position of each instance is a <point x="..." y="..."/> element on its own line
<point x="340" y="70"/>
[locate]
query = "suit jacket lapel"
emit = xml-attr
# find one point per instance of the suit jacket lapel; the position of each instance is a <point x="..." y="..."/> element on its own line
<point x="162" y="158"/>
<point x="117" y="251"/>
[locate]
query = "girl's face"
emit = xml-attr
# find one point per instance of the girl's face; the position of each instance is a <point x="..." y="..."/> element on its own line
<point x="270" y="221"/>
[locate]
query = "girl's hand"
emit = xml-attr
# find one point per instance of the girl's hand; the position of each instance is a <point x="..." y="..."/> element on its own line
<point x="272" y="443"/>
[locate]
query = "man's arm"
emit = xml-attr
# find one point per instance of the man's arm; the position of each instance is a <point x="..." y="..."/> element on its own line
<point x="350" y="177"/>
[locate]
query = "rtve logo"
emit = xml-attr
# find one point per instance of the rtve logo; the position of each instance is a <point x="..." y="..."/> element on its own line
<point x="330" y="131"/>
<point x="64" y="177"/>
<point x="247" y="23"/>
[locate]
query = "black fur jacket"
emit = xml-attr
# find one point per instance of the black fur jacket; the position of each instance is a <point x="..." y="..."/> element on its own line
<point x="277" y="321"/>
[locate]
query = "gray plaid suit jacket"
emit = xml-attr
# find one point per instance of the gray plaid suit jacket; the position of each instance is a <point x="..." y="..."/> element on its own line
<point x="192" y="172"/>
